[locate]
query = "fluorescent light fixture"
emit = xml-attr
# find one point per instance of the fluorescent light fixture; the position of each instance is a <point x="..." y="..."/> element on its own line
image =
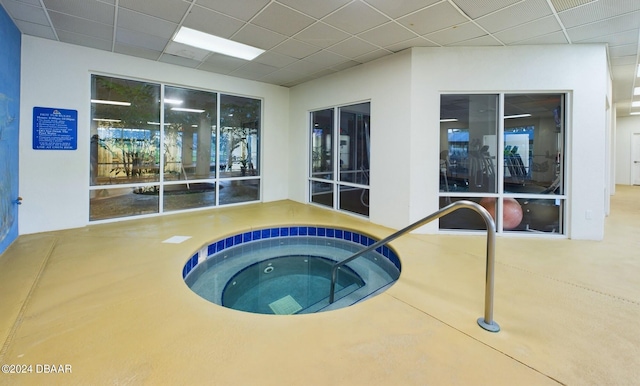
<point x="517" y="116"/>
<point x="638" y="71"/>
<point x="116" y="103"/>
<point x="172" y="101"/>
<point x="106" y="120"/>
<point x="635" y="104"/>
<point x="636" y="91"/>
<point x="192" y="37"/>
<point x="187" y="110"/>
<point x="635" y="113"/>
<point x="449" y="120"/>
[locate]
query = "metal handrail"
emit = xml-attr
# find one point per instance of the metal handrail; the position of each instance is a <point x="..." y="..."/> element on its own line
<point x="485" y="322"/>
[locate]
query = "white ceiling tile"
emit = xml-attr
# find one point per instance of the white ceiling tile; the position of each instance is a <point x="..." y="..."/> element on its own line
<point x="627" y="50"/>
<point x="415" y="42"/>
<point x="395" y="9"/>
<point x="257" y="68"/>
<point x="80" y="26"/>
<point x="179" y="61"/>
<point x="315" y="8"/>
<point x="275" y="59"/>
<point x="211" y="22"/>
<point x="597" y="10"/>
<point x="84" y="40"/>
<point x="529" y="30"/>
<point x="605" y="27"/>
<point x="355" y="18"/>
<point x="353" y="47"/>
<point x="304" y="67"/>
<point x="171" y="10"/>
<point x="552" y="38"/>
<point x="281" y="19"/>
<point x="456" y="33"/>
<point x="258" y="37"/>
<point x="623" y="61"/>
<point x="140" y="22"/>
<point x="520" y="13"/>
<point x="21" y="11"/>
<point x="137" y="51"/>
<point x="33" y="29"/>
<point x="296" y="49"/>
<point x="486" y="40"/>
<point x="185" y="51"/>
<point x="563" y="5"/>
<point x="616" y="39"/>
<point x="326" y="58"/>
<point x="30" y="2"/>
<point x="139" y="39"/>
<point x="387" y="34"/>
<point x="434" y="18"/>
<point x="477" y="8"/>
<point x="86" y="9"/>
<point x="345" y="65"/>
<point x="243" y="10"/>
<point x="221" y="63"/>
<point x="372" y="56"/>
<point x="321" y="35"/>
<point x="282" y="77"/>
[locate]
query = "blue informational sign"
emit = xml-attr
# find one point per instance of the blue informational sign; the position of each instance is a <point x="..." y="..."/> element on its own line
<point x="55" y="129"/>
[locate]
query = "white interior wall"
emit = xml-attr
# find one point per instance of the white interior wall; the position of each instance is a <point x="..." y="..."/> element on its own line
<point x="580" y="70"/>
<point x="625" y="128"/>
<point x="55" y="184"/>
<point x="386" y="83"/>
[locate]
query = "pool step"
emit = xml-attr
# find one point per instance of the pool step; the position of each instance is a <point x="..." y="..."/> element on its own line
<point x="325" y="302"/>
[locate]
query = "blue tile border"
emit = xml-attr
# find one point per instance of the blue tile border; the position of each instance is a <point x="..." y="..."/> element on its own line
<point x="292" y="231"/>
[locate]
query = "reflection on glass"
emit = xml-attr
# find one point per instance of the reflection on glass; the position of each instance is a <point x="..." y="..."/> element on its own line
<point x="354" y="143"/>
<point x="190" y="118"/>
<point x="188" y="196"/>
<point x="123" y="202"/>
<point x="464" y="218"/>
<point x="533" y="143"/>
<point x="125" y="131"/>
<point x="541" y="215"/>
<point x="236" y="191"/>
<point x="239" y="136"/>
<point x="322" y="193"/>
<point x="321" y="144"/>
<point x="355" y="200"/>
<point x="468" y="146"/>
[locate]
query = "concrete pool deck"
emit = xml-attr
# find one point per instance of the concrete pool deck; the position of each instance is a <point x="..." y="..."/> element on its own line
<point x="109" y="301"/>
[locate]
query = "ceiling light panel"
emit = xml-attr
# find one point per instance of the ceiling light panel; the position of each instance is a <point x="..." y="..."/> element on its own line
<point x="217" y="44"/>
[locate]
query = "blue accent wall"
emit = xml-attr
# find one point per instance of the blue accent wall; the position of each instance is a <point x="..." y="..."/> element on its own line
<point x="10" y="41"/>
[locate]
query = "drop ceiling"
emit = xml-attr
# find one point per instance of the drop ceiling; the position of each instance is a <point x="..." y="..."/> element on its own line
<point x="307" y="39"/>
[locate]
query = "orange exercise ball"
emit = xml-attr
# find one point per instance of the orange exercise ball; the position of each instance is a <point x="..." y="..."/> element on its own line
<point x="512" y="211"/>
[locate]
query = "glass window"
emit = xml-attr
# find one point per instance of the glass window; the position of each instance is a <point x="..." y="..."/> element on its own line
<point x="346" y="169"/>
<point x="125" y="127"/>
<point x="149" y="157"/>
<point x="516" y="186"/>
<point x="190" y="119"/>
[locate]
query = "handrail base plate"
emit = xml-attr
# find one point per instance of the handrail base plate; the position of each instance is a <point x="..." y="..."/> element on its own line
<point x="493" y="327"/>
